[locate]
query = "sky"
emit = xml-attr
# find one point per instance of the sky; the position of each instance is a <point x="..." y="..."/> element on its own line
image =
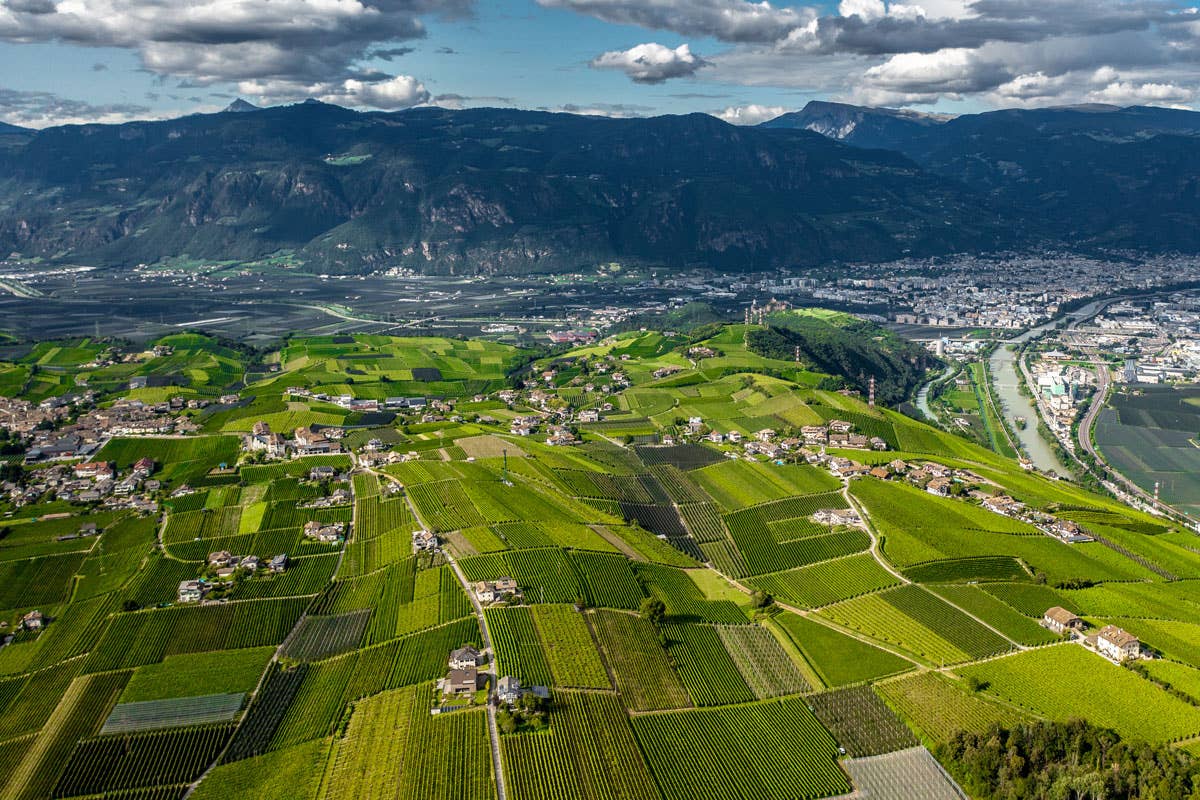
<point x="76" y="61"/>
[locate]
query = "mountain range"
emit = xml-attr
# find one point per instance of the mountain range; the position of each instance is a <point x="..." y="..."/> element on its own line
<point x="503" y="191"/>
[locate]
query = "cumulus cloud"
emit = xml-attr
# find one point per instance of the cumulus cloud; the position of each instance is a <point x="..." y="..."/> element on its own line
<point x="390" y="93"/>
<point x="750" y="114"/>
<point x="728" y="20"/>
<point x="281" y="42"/>
<point x="923" y="51"/>
<point x="651" y="62"/>
<point x="1128" y="93"/>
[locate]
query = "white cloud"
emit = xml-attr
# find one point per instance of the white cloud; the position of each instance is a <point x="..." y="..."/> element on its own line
<point x="923" y="51"/>
<point x="752" y="114"/>
<point x="863" y="9"/>
<point x="273" y="42"/>
<point x="651" y="62"/>
<point x="396" y="92"/>
<point x="1128" y="93"/>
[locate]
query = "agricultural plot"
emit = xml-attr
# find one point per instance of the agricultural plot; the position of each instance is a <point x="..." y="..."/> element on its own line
<point x="444" y="506"/>
<point x="919" y="622"/>
<point x="114" y="763"/>
<point x="319" y="702"/>
<point x="838" y="659"/>
<point x="589" y="752"/>
<point x="912" y="774"/>
<point x="708" y="671"/>
<point x="82" y="707"/>
<point x="827" y="582"/>
<point x="196" y="674"/>
<point x="738" y="484"/>
<point x="938" y="708"/>
<point x="318" y="638"/>
<point x="1045" y="682"/>
<point x="765" y="666"/>
<point x="1032" y="600"/>
<point x="568" y="647"/>
<point x="545" y="575"/>
<point x="609" y="580"/>
<point x="861" y="722"/>
<point x="962" y="570"/>
<point x="518" y="649"/>
<point x="1011" y="623"/>
<point x="774" y="748"/>
<point x="183" y="460"/>
<point x="290" y="774"/>
<point x="764" y="552"/>
<point x="173" y="713"/>
<point x="638" y="663"/>
<point x="149" y="636"/>
<point x="684" y="599"/>
<point x="1146" y="436"/>
<point x="918" y="528"/>
<point x="42" y="581"/>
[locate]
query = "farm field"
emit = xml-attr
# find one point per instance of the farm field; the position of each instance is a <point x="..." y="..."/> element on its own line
<point x="1044" y="682"/>
<point x="698" y="632"/>
<point x="912" y="774"/>
<point x="776" y="746"/>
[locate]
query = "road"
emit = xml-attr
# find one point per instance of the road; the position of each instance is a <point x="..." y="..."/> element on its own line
<point x="486" y="642"/>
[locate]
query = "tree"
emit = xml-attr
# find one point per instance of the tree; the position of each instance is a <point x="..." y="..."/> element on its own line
<point x="760" y="599"/>
<point x="653" y="610"/>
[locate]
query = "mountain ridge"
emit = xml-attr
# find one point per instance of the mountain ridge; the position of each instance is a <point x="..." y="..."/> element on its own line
<point x="480" y="190"/>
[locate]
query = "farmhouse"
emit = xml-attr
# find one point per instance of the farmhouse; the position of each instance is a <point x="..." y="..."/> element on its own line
<point x="508" y="689"/>
<point x="279" y="563"/>
<point x="192" y="591"/>
<point x="491" y="591"/>
<point x="1117" y="643"/>
<point x="461" y="681"/>
<point x="465" y="658"/>
<point x="1059" y="620"/>
<point x="308" y="442"/>
<point x="33" y="621"/>
<point x="423" y="541"/>
<point x="326" y="534"/>
<point x="836" y="516"/>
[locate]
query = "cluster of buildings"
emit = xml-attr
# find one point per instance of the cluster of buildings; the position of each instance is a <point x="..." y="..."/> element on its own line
<point x="325" y="532"/>
<point x="363" y="403"/>
<point x="1065" y="530"/>
<point x="223" y="567"/>
<point x="89" y="482"/>
<point x="1115" y="644"/>
<point x="92" y="429"/>
<point x="1002" y="291"/>
<point x="305" y="441"/>
<point x="464" y="678"/>
<point x="1061" y="387"/>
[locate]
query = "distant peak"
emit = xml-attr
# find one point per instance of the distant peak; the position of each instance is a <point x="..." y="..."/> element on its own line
<point x="240" y="105"/>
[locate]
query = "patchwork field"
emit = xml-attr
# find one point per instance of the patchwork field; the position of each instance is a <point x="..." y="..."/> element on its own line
<point x="698" y="632"/>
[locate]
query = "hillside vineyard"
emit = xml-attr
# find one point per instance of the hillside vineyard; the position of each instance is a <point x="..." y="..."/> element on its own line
<point x="653" y="566"/>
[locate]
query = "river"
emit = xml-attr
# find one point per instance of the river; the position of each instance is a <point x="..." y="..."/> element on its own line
<point x="1003" y="365"/>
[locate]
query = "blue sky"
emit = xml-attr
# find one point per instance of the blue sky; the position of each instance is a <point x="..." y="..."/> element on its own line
<point x="110" y="60"/>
